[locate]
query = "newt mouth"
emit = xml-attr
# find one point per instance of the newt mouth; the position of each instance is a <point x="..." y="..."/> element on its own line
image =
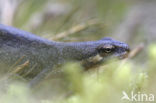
<point x="124" y="55"/>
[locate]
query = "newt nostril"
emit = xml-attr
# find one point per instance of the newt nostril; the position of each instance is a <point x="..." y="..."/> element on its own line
<point x="127" y="49"/>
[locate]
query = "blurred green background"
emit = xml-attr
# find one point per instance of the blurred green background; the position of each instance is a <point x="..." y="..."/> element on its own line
<point x="131" y="21"/>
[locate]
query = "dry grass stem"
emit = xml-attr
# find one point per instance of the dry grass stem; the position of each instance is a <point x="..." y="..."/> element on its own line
<point x="75" y="29"/>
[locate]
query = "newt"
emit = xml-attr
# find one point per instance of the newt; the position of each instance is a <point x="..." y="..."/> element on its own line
<point x="43" y="54"/>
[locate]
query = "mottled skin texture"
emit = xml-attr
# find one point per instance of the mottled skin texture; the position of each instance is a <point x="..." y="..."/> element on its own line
<point x="43" y="54"/>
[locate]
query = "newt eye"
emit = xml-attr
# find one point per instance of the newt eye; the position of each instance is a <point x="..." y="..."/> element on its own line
<point x="106" y="49"/>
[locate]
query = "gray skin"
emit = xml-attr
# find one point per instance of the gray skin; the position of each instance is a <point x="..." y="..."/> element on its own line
<point x="43" y="55"/>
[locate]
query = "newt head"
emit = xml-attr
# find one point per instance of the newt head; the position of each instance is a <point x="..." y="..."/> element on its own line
<point x="107" y="49"/>
<point x="112" y="48"/>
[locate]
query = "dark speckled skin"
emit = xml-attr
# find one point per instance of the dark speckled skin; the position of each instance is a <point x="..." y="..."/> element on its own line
<point x="15" y="43"/>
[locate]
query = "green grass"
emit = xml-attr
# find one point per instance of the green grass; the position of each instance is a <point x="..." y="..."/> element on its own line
<point x="95" y="86"/>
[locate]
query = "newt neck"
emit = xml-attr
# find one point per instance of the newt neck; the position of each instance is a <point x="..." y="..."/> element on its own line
<point x="78" y="50"/>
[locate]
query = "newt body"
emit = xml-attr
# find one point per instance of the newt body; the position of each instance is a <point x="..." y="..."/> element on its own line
<point x="44" y="54"/>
